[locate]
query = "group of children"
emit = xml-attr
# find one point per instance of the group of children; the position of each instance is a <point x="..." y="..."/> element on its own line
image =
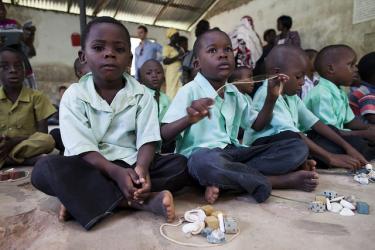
<point x="113" y="128"/>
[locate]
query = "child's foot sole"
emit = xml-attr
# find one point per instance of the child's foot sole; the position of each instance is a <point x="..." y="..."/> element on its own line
<point x="211" y="194"/>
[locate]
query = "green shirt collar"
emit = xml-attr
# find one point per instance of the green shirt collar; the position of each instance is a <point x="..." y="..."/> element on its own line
<point x="333" y="88"/>
<point x="207" y="88"/>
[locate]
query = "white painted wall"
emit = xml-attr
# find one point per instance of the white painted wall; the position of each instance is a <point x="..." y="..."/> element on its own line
<point x="319" y="22"/>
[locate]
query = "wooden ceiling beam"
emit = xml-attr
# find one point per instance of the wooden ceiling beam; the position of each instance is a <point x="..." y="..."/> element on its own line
<point x="100" y="5"/>
<point x="174" y="5"/>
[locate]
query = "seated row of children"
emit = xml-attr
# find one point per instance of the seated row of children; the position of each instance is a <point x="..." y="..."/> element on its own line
<point x="112" y="127"/>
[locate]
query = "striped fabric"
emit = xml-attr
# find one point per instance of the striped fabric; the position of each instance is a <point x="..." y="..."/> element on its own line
<point x="362" y="99"/>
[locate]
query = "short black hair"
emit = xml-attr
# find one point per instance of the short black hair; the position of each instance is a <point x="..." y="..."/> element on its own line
<point x="233" y="76"/>
<point x="143" y="27"/>
<point x="286" y="21"/>
<point x="15" y="51"/>
<point x="61" y="87"/>
<point x="330" y="53"/>
<point x="198" y="41"/>
<point x="267" y="32"/>
<point x="366" y="67"/>
<point x="202" y="26"/>
<point x="311" y="53"/>
<point x="103" y="19"/>
<point x="182" y="39"/>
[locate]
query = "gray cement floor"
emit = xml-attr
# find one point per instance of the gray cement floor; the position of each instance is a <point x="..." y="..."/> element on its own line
<point x="28" y="221"/>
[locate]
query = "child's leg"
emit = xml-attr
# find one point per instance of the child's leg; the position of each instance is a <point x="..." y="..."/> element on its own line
<point x="37" y="144"/>
<point x="55" y="133"/>
<point x="169" y="172"/>
<point x="218" y="168"/>
<point x="357" y="142"/>
<point x="85" y="192"/>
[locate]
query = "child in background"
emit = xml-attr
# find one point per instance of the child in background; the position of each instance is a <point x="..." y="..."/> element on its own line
<point x="23" y="114"/>
<point x="311" y="77"/>
<point x="205" y="124"/>
<point x="291" y="118"/>
<point x="243" y="73"/>
<point x="362" y="99"/>
<point x="109" y="126"/>
<point x="152" y="76"/>
<point x="336" y="65"/>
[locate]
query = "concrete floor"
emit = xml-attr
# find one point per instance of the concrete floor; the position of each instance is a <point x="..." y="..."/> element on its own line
<point x="28" y="221"/>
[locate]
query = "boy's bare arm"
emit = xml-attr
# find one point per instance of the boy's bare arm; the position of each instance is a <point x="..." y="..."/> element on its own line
<point x="331" y="135"/>
<point x="335" y="160"/>
<point x="198" y="110"/>
<point x="357" y="124"/>
<point x="42" y="126"/>
<point x="273" y="91"/>
<point x="145" y="156"/>
<point x="124" y="177"/>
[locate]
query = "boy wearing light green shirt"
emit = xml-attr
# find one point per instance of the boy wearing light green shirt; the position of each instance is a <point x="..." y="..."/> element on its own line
<point x="336" y="64"/>
<point x="290" y="117"/>
<point x="205" y="117"/>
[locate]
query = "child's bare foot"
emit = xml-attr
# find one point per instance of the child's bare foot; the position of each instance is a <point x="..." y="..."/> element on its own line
<point x="300" y="180"/>
<point x="160" y="203"/>
<point x="309" y="165"/>
<point x="211" y="194"/>
<point x="64" y="215"/>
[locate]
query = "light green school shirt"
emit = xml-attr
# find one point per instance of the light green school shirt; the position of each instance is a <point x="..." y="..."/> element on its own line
<point x="289" y="113"/>
<point x="116" y="130"/>
<point x="164" y="103"/>
<point x="330" y="104"/>
<point x="227" y="115"/>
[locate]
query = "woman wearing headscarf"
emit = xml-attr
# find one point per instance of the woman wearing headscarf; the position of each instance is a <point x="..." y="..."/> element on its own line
<point x="172" y="56"/>
<point x="246" y="43"/>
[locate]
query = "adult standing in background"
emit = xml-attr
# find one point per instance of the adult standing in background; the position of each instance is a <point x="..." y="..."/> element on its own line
<point x="247" y="45"/>
<point x="146" y="50"/>
<point x="286" y="36"/>
<point x="172" y="56"/>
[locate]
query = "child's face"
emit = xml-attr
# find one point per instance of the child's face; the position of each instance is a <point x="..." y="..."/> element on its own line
<point x="296" y="70"/>
<point x="215" y="57"/>
<point x="12" y="70"/>
<point x="152" y="75"/>
<point x="107" y="52"/>
<point x="345" y="69"/>
<point x="244" y="74"/>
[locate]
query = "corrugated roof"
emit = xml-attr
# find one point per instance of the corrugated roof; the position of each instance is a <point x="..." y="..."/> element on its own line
<point x="180" y="14"/>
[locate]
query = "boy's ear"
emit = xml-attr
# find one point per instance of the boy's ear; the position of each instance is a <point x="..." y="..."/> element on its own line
<point x="330" y="68"/>
<point x="82" y="57"/>
<point x="196" y="64"/>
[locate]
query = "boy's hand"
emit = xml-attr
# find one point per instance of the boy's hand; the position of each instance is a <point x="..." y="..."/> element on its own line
<point x="275" y="86"/>
<point x="126" y="179"/>
<point x="199" y="109"/>
<point x="145" y="184"/>
<point x="357" y="155"/>
<point x="6" y="145"/>
<point x="344" y="161"/>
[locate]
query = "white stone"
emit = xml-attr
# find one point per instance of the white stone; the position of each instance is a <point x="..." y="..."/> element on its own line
<point x="193" y="228"/>
<point x="346" y="212"/>
<point x="337" y="199"/>
<point x="195" y="215"/>
<point x="361" y="180"/>
<point x="368" y="167"/>
<point x="328" y="204"/>
<point x="347" y="204"/>
<point x="221" y="222"/>
<point x="336" y="207"/>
